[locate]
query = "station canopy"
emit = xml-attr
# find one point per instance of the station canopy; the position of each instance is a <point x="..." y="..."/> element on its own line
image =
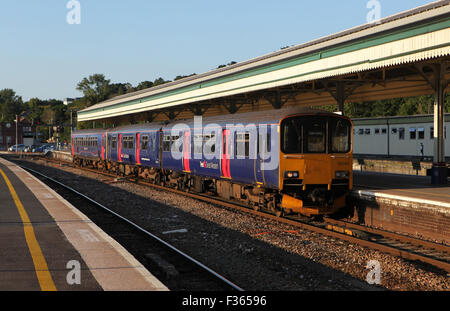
<point x="400" y="56"/>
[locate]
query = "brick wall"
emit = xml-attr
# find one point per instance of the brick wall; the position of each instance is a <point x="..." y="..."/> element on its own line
<point x="422" y="220"/>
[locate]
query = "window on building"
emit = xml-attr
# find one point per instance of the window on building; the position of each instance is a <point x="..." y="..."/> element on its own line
<point x="401" y="133"/>
<point x="421" y="133"/>
<point x="412" y="133"/>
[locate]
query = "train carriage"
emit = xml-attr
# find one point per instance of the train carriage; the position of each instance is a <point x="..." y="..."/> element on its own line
<point x="288" y="161"/>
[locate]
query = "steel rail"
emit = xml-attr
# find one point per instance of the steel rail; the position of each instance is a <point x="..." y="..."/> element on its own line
<point x="201" y="265"/>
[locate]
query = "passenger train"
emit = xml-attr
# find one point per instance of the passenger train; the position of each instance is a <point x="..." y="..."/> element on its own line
<point x="292" y="160"/>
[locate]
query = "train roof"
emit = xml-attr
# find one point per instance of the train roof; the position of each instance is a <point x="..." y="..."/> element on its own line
<point x="257" y="117"/>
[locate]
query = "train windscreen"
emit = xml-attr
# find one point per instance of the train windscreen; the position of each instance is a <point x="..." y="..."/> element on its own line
<point x="315" y="135"/>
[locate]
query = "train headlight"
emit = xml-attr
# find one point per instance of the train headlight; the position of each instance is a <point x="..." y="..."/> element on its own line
<point x="291" y="174"/>
<point x="342" y="174"/>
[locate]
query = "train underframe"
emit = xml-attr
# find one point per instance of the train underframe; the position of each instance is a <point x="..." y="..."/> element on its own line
<point x="313" y="201"/>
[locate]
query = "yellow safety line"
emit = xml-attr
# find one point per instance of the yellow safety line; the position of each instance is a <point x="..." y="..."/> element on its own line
<point x="43" y="274"/>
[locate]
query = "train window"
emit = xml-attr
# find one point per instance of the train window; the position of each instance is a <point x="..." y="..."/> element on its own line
<point x="314" y="134"/>
<point x="412" y="133"/>
<point x="367" y="132"/>
<point x="144" y="143"/>
<point x="114" y="142"/>
<point x="377" y="131"/>
<point x="401" y="133"/>
<point x="340" y="136"/>
<point x="166" y="143"/>
<point x="361" y="131"/>
<point x="198" y="144"/>
<point x="432" y="132"/>
<point x="292" y="136"/>
<point x="264" y="144"/>
<point x="383" y="131"/>
<point x="175" y="143"/>
<point x="153" y="141"/>
<point x="243" y="145"/>
<point x="209" y="142"/>
<point x="421" y="133"/>
<point x="394" y="131"/>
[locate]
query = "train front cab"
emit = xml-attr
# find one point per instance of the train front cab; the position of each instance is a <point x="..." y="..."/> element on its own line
<point x="315" y="163"/>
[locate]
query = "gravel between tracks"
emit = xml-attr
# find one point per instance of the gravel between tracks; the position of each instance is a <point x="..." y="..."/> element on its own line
<point x="255" y="253"/>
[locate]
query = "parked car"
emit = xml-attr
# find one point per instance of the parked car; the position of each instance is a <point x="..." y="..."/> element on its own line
<point x="44" y="148"/>
<point x="31" y="148"/>
<point x="18" y="148"/>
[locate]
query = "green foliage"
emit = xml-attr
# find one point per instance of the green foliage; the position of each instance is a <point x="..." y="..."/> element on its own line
<point x="10" y="105"/>
<point x="392" y="107"/>
<point x="229" y="64"/>
<point x="181" y="77"/>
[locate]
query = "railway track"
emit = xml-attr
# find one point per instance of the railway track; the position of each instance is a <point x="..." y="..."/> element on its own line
<point x="176" y="269"/>
<point x="409" y="248"/>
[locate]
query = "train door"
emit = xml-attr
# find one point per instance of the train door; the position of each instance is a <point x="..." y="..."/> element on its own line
<point x="160" y="148"/>
<point x="186" y="151"/>
<point x="103" y="142"/>
<point x="225" y="161"/>
<point x="261" y="156"/>
<point x="138" y="149"/>
<point x="113" y="147"/>
<point x="119" y="148"/>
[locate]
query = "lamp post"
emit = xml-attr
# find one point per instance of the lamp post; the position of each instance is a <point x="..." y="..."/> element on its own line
<point x="17" y="135"/>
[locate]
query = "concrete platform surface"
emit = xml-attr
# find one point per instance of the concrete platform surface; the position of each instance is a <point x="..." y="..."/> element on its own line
<point x="412" y="188"/>
<point x="47" y="244"/>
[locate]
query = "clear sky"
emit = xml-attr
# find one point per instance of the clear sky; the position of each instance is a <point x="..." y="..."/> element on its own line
<point x="41" y="55"/>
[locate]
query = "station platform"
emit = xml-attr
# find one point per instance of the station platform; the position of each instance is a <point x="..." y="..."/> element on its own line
<point x="403" y="203"/>
<point x="47" y="244"/>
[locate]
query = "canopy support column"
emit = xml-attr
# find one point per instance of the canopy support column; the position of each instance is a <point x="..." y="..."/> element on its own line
<point x="439" y="171"/>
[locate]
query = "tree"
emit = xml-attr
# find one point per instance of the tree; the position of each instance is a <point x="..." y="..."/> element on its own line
<point x="95" y="88"/>
<point x="182" y="77"/>
<point x="10" y="105"/>
<point x="144" y="85"/>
